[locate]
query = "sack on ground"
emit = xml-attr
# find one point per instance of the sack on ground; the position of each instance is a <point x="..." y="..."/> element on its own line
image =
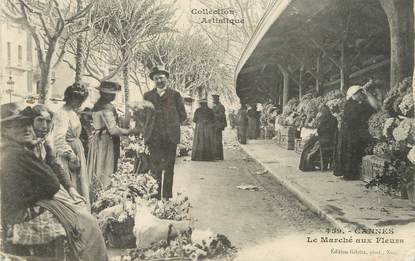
<point x="149" y="229"/>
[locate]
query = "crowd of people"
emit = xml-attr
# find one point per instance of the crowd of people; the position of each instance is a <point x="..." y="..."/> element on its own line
<point x="55" y="163"/>
<point x="335" y="146"/>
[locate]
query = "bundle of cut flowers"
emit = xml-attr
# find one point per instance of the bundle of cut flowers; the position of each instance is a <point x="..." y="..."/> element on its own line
<point x="176" y="208"/>
<point x="377" y="123"/>
<point x="125" y="187"/>
<point x="268" y="114"/>
<point x="289" y="113"/>
<point x="213" y="246"/>
<point x="395" y="96"/>
<point x="186" y="140"/>
<point x="130" y="146"/>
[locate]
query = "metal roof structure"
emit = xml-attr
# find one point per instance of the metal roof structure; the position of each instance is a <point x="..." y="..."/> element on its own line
<point x="317" y="37"/>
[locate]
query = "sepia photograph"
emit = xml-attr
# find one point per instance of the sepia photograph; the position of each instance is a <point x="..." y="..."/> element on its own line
<point x="227" y="130"/>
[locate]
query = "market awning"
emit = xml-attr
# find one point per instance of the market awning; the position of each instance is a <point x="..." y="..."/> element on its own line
<point x="293" y="33"/>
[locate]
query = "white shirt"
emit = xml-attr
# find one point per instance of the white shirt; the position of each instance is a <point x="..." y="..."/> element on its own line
<point x="161" y="92"/>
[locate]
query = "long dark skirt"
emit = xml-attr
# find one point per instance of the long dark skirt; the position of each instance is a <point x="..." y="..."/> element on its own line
<point x="309" y="155"/>
<point x="218" y="144"/>
<point x="253" y="128"/>
<point x="242" y="135"/>
<point x="203" y="142"/>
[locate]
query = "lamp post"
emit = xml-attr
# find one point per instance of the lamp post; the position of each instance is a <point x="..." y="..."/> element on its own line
<point x="10" y="84"/>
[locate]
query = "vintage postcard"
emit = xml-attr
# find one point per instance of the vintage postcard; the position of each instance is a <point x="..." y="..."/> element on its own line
<point x="245" y="130"/>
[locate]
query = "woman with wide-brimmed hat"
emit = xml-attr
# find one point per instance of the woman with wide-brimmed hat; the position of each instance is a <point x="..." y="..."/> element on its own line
<point x="204" y="134"/>
<point x="66" y="138"/>
<point x="35" y="209"/>
<point x="104" y="146"/>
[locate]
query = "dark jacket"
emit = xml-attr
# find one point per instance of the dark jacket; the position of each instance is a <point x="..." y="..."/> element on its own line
<point x="220" y="117"/>
<point x="170" y="110"/>
<point x="25" y="179"/>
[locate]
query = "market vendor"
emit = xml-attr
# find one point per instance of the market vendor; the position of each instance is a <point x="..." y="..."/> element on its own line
<point x="353" y="135"/>
<point x="42" y="126"/>
<point x="324" y="140"/>
<point x="104" y="145"/>
<point x="242" y="124"/>
<point x="220" y="125"/>
<point x="253" y="122"/>
<point x="162" y="133"/>
<point x="32" y="199"/>
<point x="66" y="138"/>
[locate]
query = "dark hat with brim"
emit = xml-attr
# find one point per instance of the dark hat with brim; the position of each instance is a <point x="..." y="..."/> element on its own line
<point x="14" y="112"/>
<point x="109" y="87"/>
<point x="158" y="70"/>
<point x="215" y="95"/>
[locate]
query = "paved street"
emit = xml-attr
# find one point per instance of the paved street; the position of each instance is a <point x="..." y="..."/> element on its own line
<point x="246" y="217"/>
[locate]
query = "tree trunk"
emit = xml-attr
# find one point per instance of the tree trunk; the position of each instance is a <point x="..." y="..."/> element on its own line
<point x="286" y="86"/>
<point x="400" y="17"/>
<point x="344" y="71"/>
<point x="79" y="52"/>
<point x="44" y="83"/>
<point x="413" y="57"/>
<point x="318" y="74"/>
<point x="126" y="74"/>
<point x="300" y="84"/>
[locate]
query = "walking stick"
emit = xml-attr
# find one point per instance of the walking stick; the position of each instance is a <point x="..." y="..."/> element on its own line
<point x="162" y="183"/>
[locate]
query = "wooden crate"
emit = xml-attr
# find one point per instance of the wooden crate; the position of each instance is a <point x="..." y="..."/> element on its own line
<point x="373" y="166"/>
<point x="299" y="145"/>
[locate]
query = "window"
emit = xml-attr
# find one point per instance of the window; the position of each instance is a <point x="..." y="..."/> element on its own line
<point x="19" y="54"/>
<point x="9" y="53"/>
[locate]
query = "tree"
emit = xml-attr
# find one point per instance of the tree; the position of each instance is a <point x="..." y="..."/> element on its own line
<point x="400" y="16"/>
<point x="129" y="24"/>
<point x="231" y="38"/>
<point x="194" y="63"/>
<point x="47" y="22"/>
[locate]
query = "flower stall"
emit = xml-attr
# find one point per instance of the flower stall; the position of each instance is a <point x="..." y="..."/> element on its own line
<point x="267" y="120"/>
<point x="285" y="125"/>
<point x="389" y="166"/>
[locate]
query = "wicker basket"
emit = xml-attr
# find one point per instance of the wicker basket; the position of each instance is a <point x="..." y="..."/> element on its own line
<point x="120" y="234"/>
<point x="373" y="166"/>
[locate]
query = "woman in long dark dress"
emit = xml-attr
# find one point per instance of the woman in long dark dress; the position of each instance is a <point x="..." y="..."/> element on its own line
<point x="253" y="122"/>
<point x="204" y="137"/>
<point x="326" y="137"/>
<point x="353" y="134"/>
<point x="242" y="124"/>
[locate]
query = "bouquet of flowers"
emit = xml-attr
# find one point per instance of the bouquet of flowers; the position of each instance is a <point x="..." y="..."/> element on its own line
<point x="186" y="139"/>
<point x="215" y="246"/>
<point x="395" y="97"/>
<point x="376" y="124"/>
<point x="176" y="208"/>
<point x="125" y="187"/>
<point x="405" y="132"/>
<point x="407" y="105"/>
<point x="289" y="113"/>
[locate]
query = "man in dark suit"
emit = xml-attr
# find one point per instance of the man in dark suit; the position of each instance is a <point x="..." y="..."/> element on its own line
<point x="162" y="132"/>
<point x="220" y="124"/>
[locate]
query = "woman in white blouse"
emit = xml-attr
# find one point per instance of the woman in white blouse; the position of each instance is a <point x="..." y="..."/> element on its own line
<point x="69" y="150"/>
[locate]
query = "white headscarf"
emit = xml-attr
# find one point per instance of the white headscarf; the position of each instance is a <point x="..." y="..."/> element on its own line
<point x="352" y="90"/>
